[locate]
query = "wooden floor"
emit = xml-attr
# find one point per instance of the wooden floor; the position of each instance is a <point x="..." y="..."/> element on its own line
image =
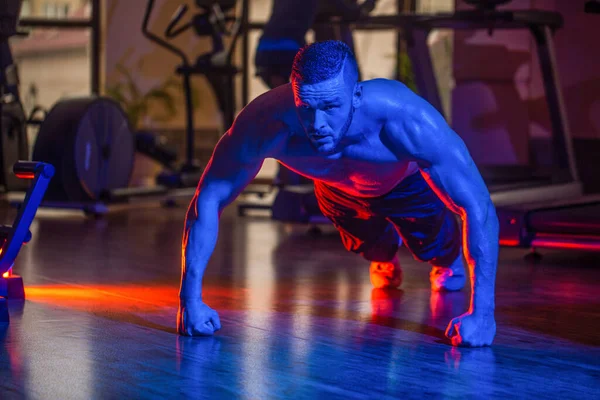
<point x="300" y="320"/>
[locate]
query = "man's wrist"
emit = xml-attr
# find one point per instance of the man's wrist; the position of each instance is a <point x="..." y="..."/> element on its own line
<point x="483" y="306"/>
<point x="188" y="298"/>
<point x="483" y="288"/>
<point x="483" y="312"/>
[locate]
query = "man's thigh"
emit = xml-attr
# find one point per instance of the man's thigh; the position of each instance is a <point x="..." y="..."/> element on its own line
<point x="429" y="229"/>
<point x="373" y="237"/>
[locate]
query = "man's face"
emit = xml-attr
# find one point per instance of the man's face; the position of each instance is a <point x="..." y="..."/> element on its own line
<point x="325" y="111"/>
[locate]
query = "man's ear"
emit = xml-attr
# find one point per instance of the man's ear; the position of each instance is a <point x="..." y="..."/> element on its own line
<point x="357" y="95"/>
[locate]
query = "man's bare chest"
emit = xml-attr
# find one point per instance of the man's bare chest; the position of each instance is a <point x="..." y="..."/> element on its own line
<point x="368" y="167"/>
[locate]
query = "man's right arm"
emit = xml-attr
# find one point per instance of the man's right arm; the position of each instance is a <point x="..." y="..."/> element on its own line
<point x="236" y="160"/>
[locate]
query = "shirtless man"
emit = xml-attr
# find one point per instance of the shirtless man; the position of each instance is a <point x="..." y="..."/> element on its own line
<point x="385" y="165"/>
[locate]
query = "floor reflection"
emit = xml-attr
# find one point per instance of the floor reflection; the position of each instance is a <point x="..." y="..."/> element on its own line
<point x="300" y="320"/>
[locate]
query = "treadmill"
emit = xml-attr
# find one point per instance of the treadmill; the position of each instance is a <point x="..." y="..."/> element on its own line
<point x="534" y="212"/>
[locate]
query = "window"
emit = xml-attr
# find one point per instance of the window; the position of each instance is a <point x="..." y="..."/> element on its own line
<point x="54" y="62"/>
<point x="53" y="10"/>
<point x="49" y="10"/>
<point x="25" y="8"/>
<point x="56" y="9"/>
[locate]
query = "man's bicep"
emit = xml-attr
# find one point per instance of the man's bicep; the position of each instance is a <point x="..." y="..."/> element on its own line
<point x="422" y="134"/>
<point x="453" y="175"/>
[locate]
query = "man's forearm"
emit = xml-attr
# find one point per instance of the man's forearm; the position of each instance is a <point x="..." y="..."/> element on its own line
<point x="481" y="244"/>
<point x="199" y="240"/>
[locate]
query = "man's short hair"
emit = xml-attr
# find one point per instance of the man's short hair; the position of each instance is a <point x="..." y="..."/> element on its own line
<point x="320" y="61"/>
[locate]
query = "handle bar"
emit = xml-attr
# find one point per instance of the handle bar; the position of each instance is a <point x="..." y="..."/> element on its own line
<point x="158" y="40"/>
<point x="171" y="32"/>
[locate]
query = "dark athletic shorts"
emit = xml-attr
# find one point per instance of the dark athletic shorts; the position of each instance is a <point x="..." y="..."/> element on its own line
<point x="369" y="226"/>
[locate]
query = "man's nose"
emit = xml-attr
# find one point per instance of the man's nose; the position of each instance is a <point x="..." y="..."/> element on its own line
<point x="319" y="120"/>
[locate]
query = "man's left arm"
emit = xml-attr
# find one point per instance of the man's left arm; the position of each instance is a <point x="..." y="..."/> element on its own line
<point x="423" y="134"/>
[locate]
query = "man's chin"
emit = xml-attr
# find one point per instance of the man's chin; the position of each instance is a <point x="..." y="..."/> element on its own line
<point x="325" y="149"/>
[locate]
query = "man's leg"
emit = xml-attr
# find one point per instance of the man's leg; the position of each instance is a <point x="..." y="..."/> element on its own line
<point x="429" y="230"/>
<point x="376" y="240"/>
<point x="372" y="237"/>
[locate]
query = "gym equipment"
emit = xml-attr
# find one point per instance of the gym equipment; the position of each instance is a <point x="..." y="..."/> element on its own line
<point x="592" y="7"/>
<point x="486" y="4"/>
<point x="13" y="134"/>
<point x="503" y="180"/>
<point x="561" y="224"/>
<point x="91" y="145"/>
<point x="292" y="203"/>
<point x="215" y="65"/>
<point x="152" y="146"/>
<point x="89" y="141"/>
<point x="13" y="237"/>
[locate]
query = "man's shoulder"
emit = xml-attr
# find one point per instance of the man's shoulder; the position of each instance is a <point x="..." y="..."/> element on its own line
<point x="264" y="120"/>
<point x="266" y="109"/>
<point x="386" y="96"/>
<point x="387" y="87"/>
<point x="410" y="124"/>
<point x="279" y="96"/>
<point x="269" y="106"/>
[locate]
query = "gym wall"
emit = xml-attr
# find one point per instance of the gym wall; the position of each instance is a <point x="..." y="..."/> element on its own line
<point x="135" y="67"/>
<point x="498" y="105"/>
<point x="132" y="59"/>
<point x="578" y="57"/>
<point x="53" y="63"/>
<point x="579" y="61"/>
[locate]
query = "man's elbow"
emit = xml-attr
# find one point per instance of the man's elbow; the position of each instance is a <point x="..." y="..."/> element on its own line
<point x="492" y="221"/>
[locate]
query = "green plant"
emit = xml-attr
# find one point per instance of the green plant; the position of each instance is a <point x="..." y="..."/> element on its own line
<point x="406" y="71"/>
<point x="137" y="104"/>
